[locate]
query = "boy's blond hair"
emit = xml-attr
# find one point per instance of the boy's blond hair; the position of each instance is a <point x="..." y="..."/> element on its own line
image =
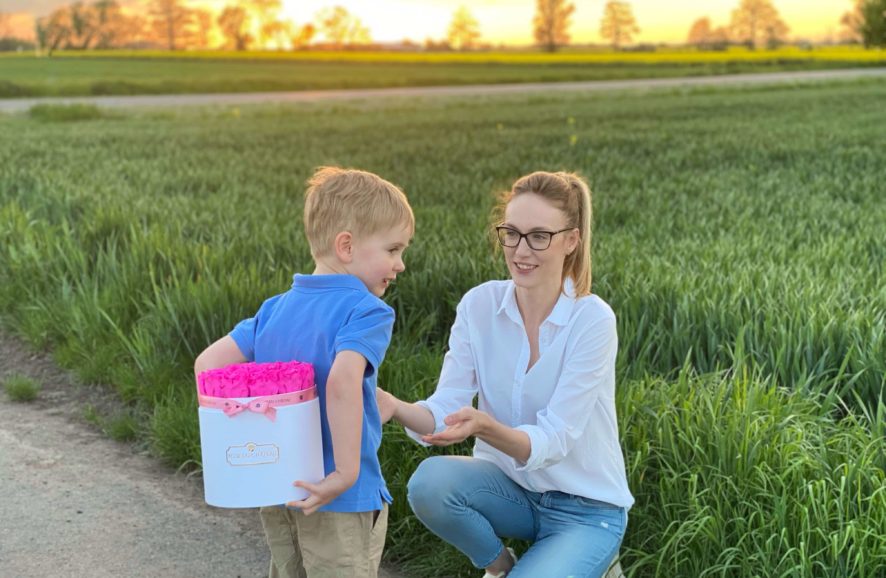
<point x="350" y="200"/>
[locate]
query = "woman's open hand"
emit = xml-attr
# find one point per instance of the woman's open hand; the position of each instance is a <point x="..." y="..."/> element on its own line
<point x="461" y="425"/>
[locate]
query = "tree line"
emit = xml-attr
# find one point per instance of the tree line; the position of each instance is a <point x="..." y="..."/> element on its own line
<point x="174" y="25"/>
<point x="757" y="23"/>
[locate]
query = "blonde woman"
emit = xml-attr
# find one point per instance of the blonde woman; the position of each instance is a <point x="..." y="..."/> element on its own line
<point x="539" y="352"/>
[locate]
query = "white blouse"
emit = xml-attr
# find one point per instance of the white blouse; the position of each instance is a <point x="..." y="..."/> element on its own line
<point x="565" y="403"/>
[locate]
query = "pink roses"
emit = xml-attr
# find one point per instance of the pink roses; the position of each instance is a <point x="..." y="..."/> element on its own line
<point x="256" y="379"/>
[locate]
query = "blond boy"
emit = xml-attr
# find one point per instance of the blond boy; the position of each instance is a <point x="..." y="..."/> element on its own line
<point x="358" y="226"/>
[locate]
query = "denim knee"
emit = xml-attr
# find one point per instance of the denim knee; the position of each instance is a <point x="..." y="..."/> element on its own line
<point x="430" y="485"/>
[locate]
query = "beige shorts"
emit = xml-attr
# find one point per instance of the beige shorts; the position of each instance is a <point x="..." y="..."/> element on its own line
<point x="324" y="544"/>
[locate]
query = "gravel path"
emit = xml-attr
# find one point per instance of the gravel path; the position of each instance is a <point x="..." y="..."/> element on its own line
<point x="176" y="100"/>
<point x="76" y="503"/>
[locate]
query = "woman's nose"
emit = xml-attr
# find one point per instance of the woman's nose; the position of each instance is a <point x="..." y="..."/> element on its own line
<point x="523" y="247"/>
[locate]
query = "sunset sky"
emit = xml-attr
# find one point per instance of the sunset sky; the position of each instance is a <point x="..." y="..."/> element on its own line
<point x="509" y="21"/>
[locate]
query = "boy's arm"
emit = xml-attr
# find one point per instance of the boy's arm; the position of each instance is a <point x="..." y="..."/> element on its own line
<point x="344" y="409"/>
<point x="411" y="415"/>
<point x="222" y="353"/>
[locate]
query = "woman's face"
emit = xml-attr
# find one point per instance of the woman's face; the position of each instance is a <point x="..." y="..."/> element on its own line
<point x="531" y="268"/>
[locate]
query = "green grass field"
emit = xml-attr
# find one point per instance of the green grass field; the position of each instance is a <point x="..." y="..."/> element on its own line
<point x="738" y="236"/>
<point x="159" y="72"/>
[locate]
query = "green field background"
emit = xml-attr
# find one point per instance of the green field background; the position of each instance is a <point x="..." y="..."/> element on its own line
<point x="738" y="236"/>
<point x="119" y="72"/>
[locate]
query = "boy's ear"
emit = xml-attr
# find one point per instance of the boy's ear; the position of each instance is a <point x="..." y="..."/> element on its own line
<point x="344" y="246"/>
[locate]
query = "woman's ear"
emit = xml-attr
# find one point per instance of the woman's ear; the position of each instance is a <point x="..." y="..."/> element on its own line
<point x="344" y="247"/>
<point x="572" y="240"/>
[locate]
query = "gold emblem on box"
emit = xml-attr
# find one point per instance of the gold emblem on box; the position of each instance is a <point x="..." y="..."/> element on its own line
<point x="253" y="454"/>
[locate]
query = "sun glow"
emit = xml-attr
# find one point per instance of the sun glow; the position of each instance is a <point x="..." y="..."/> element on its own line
<point x="510" y="21"/>
<point x="387" y="21"/>
<point x="500" y="21"/>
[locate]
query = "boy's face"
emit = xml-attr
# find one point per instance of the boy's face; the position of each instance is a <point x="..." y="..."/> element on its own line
<point x="378" y="258"/>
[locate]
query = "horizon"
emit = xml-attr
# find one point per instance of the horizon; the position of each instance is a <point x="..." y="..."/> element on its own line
<point x="507" y="22"/>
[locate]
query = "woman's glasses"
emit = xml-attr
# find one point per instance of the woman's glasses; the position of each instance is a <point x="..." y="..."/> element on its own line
<point x="537" y="240"/>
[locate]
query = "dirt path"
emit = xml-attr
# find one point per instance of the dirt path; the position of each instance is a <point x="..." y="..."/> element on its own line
<point x="175" y="100"/>
<point x="76" y="503"/>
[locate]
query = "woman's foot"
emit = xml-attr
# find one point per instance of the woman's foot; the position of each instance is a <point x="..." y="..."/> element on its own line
<point x="501" y="565"/>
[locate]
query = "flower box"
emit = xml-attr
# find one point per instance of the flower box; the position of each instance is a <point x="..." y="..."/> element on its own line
<point x="259" y="432"/>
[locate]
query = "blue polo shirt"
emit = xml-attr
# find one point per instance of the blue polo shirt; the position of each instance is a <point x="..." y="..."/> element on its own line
<point x="318" y="317"/>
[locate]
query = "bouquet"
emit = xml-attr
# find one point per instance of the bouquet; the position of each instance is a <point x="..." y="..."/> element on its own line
<point x="256" y="379"/>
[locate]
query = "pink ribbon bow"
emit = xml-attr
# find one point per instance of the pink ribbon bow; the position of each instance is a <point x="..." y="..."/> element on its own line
<point x="265" y="405"/>
<point x="232" y="408"/>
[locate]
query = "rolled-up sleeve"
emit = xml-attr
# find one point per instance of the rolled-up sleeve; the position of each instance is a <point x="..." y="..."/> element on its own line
<point x="588" y="374"/>
<point x="458" y="377"/>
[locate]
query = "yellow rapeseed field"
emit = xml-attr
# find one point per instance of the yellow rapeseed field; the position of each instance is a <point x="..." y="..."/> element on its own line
<point x="569" y="56"/>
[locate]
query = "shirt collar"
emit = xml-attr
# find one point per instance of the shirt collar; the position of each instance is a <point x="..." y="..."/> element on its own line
<point x="301" y="281"/>
<point x="559" y="315"/>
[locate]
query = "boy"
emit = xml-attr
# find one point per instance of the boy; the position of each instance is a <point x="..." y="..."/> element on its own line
<point x="358" y="226"/>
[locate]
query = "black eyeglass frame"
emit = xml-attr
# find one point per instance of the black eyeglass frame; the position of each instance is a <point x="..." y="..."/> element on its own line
<point x="550" y="234"/>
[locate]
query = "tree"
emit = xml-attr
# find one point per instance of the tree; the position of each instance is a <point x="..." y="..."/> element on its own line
<point x="757" y="22"/>
<point x="278" y="31"/>
<point x="464" y="32"/>
<point x="171" y="21"/>
<point x="432" y="45"/>
<point x="719" y="38"/>
<point x="265" y="12"/>
<point x="340" y="27"/>
<point x="874" y="30"/>
<point x="551" y="23"/>
<point x="202" y="32"/>
<point x="303" y="36"/>
<point x="700" y="33"/>
<point x="54" y="29"/>
<point x="113" y="27"/>
<point x="704" y="37"/>
<point x="618" y="25"/>
<point x="84" y="26"/>
<point x="5" y="26"/>
<point x="234" y="25"/>
<point x="867" y="22"/>
<point x="852" y="22"/>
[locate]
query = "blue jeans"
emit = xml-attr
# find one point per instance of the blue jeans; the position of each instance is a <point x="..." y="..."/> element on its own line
<point x="471" y="503"/>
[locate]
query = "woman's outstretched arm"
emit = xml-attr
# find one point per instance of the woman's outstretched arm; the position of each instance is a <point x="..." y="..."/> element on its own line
<point x="468" y="422"/>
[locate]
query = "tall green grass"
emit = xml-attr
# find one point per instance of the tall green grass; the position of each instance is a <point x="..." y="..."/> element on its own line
<point x="737" y="476"/>
<point x="64" y="113"/>
<point x="738" y="236"/>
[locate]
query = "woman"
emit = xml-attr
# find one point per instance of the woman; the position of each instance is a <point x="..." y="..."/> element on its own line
<point x="539" y="350"/>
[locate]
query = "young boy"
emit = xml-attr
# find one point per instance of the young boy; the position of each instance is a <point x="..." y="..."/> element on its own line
<point x="358" y="226"/>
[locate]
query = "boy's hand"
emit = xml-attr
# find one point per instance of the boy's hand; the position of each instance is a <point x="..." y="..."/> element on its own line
<point x="387" y="404"/>
<point x="321" y="493"/>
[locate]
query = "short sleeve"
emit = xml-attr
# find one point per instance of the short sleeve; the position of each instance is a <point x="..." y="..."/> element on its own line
<point x="244" y="332"/>
<point x="368" y="332"/>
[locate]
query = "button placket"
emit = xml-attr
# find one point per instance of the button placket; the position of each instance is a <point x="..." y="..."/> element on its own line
<point x="519" y="378"/>
<point x="544" y="338"/>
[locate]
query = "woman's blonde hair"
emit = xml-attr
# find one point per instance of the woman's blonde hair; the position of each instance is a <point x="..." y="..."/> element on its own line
<point x="351" y="200"/>
<point x="569" y="193"/>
